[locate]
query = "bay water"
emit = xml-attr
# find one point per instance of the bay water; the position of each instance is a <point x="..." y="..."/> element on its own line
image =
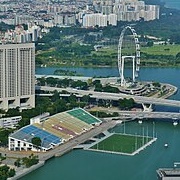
<point x="172" y="3"/>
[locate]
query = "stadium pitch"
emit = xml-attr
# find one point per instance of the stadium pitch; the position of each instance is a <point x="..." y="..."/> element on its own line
<point x="123" y="144"/>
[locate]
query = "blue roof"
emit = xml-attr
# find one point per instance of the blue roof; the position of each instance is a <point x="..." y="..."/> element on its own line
<point x="28" y="132"/>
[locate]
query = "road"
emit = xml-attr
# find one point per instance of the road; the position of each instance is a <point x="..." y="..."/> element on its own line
<point x="143" y="115"/>
<point x="115" y="96"/>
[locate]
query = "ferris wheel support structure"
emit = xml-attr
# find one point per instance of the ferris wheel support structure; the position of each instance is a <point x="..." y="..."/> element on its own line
<point x="135" y="58"/>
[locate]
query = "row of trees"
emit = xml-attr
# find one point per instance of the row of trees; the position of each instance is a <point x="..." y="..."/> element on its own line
<point x="63" y="83"/>
<point x="27" y="161"/>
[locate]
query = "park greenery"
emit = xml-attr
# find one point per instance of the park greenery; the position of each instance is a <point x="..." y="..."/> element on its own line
<point x="126" y="104"/>
<point x="4" y="133"/>
<point x="6" y="172"/>
<point x="27" y="161"/>
<point x="30" y="161"/>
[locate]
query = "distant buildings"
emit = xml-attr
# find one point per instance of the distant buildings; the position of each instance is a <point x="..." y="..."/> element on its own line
<point x="17" y="77"/>
<point x="68" y="13"/>
<point x="19" y="35"/>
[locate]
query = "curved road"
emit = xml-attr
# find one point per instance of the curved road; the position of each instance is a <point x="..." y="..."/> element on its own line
<point x="115" y="96"/>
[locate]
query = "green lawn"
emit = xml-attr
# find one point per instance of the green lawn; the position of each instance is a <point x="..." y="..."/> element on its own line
<point x="162" y="49"/>
<point x="121" y="143"/>
<point x="154" y="50"/>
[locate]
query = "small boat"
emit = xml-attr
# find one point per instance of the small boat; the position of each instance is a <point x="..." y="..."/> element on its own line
<point x="175" y="123"/>
<point x="140" y="122"/>
<point x="166" y="145"/>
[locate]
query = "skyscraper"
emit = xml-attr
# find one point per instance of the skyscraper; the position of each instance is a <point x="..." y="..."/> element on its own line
<point x="17" y="76"/>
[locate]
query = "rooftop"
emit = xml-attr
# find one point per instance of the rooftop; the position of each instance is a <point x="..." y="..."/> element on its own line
<point x="30" y="131"/>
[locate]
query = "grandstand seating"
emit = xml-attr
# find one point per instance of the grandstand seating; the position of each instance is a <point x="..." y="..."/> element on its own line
<point x="58" y="128"/>
<point x="83" y="116"/>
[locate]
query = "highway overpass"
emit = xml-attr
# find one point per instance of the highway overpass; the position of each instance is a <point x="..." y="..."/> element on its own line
<point x="114" y="96"/>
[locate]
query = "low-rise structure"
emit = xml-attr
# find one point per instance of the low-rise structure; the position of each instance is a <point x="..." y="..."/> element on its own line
<point x="40" y="118"/>
<point x="168" y="174"/>
<point x="10" y="122"/>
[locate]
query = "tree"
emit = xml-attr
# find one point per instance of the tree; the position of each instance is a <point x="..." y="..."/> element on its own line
<point x="4" y="133"/>
<point x="156" y="84"/>
<point x="28" y="162"/>
<point x="86" y="98"/>
<point x="11" y="172"/>
<point x="36" y="141"/>
<point x="126" y="104"/>
<point x="17" y="162"/>
<point x="55" y="96"/>
<point x="98" y="87"/>
<point x="150" y="44"/>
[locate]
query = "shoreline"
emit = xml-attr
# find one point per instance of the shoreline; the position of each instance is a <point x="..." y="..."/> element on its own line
<point x="90" y="66"/>
<point x="56" y="152"/>
<point x="25" y="171"/>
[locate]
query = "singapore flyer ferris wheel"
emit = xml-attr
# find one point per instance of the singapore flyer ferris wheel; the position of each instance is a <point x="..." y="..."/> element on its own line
<point x="128" y="50"/>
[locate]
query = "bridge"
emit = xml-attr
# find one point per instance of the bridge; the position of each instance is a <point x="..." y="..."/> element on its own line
<point x="114" y="96"/>
<point x="132" y="115"/>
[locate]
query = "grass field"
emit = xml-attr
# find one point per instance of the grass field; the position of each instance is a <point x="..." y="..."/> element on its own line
<point x="154" y="50"/>
<point x="121" y="143"/>
<point x="162" y="49"/>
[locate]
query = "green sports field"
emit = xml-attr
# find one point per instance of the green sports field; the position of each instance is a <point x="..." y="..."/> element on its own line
<point x="121" y="143"/>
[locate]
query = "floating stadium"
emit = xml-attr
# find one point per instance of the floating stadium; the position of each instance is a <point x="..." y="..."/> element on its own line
<point x="53" y="131"/>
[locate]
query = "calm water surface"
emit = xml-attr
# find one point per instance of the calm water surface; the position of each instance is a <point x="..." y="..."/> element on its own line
<point x="172" y="3"/>
<point x="86" y="165"/>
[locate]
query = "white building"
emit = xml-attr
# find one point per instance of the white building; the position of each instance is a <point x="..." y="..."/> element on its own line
<point x="96" y="19"/>
<point x="17" y="77"/>
<point x="40" y="118"/>
<point x="112" y="19"/>
<point x="19" y="35"/>
<point x="10" y="122"/>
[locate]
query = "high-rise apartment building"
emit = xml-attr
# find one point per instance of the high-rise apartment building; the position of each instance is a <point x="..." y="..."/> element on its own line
<point x="17" y="76"/>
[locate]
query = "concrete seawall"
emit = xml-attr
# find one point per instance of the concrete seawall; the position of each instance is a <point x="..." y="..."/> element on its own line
<point x="26" y="171"/>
